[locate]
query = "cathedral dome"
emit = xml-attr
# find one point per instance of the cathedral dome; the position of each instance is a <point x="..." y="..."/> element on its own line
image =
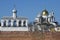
<point x="44" y="12"/>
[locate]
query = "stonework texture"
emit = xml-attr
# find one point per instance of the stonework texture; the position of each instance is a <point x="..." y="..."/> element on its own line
<point x="16" y="35"/>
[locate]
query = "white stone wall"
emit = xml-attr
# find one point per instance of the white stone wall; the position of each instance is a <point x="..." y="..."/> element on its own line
<point x="14" y="29"/>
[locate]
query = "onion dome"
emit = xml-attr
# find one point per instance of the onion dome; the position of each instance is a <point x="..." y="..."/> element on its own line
<point x="14" y="10"/>
<point x="44" y="12"/>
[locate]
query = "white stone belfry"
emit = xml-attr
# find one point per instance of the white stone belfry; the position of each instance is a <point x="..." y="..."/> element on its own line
<point x="14" y="11"/>
<point x="14" y="23"/>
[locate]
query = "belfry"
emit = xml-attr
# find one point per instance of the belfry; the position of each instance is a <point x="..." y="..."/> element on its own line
<point x="14" y="22"/>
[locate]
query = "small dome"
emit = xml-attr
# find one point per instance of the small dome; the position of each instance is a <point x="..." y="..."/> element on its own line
<point x="45" y="12"/>
<point x="14" y="10"/>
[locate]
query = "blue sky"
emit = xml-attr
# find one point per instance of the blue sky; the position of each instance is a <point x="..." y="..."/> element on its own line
<point x="29" y="8"/>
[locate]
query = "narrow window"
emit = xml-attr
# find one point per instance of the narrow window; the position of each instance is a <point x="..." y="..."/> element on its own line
<point x="24" y="23"/>
<point x="4" y="23"/>
<point x="9" y="23"/>
<point x="14" y="24"/>
<point x="19" y="23"/>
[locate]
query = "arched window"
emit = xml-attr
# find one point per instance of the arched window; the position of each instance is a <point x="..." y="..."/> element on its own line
<point x="14" y="23"/>
<point x="19" y="23"/>
<point x="9" y="23"/>
<point x="4" y="23"/>
<point x="24" y="23"/>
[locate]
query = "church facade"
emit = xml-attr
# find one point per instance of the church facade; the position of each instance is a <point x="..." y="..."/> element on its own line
<point x="45" y="21"/>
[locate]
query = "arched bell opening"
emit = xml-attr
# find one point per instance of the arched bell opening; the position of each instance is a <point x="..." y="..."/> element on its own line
<point x="19" y="23"/>
<point x="14" y="23"/>
<point x="24" y="23"/>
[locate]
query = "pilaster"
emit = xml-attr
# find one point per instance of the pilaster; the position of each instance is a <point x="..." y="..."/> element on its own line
<point x="7" y="22"/>
<point x="17" y="22"/>
<point x="2" y="22"/>
<point x="12" y="21"/>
